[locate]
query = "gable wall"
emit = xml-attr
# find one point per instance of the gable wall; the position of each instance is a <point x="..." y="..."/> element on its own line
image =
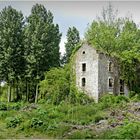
<point x="90" y="58"/>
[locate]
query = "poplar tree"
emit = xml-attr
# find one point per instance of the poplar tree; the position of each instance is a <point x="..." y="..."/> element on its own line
<point x="12" y="62"/>
<point x="73" y="38"/>
<point x="42" y="45"/>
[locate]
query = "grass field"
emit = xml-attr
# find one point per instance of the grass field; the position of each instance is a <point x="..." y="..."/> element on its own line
<point x="113" y="117"/>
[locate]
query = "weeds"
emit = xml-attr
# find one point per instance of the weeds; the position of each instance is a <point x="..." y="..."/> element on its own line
<point x="67" y="120"/>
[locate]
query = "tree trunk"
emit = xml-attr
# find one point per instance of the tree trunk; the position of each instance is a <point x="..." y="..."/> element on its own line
<point x="27" y="91"/>
<point x="9" y="93"/>
<point x="13" y="92"/>
<point x="36" y="95"/>
<point x="17" y="93"/>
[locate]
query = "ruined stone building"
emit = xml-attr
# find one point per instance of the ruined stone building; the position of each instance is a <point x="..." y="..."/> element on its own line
<point x="96" y="73"/>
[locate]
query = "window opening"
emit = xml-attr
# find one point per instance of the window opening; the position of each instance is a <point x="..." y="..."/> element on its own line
<point x="121" y="86"/>
<point x="83" y="82"/>
<point x="111" y="82"/>
<point x="83" y="52"/>
<point x="84" y="67"/>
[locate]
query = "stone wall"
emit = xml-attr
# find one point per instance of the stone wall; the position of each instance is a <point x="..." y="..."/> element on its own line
<point x="105" y="75"/>
<point x="97" y="72"/>
<point x="89" y="56"/>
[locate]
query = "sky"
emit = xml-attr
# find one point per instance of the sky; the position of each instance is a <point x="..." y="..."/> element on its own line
<point x="76" y="13"/>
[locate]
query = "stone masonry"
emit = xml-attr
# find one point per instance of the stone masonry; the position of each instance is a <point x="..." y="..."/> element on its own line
<point x="96" y="73"/>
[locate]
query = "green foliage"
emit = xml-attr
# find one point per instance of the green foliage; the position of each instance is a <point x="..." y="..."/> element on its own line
<point x="7" y="106"/>
<point x="14" y="121"/>
<point x="11" y="36"/>
<point x="3" y="106"/>
<point x="28" y="49"/>
<point x="73" y="38"/>
<point x="36" y="122"/>
<point x="121" y="98"/>
<point x="119" y="38"/>
<point x="59" y="86"/>
<point x="68" y="120"/>
<point x="131" y="94"/>
<point x="107" y="100"/>
<point x="63" y="111"/>
<point x="3" y="114"/>
<point x="12" y="64"/>
<point x="82" y="134"/>
<point x="42" y="41"/>
<point x="111" y="100"/>
<point x="56" y="86"/>
<point x="135" y="98"/>
<point x="15" y="106"/>
<point x="130" y="130"/>
<point x="42" y="38"/>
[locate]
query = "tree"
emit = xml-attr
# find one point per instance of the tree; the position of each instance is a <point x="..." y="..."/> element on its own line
<point x="73" y="39"/>
<point x="56" y="85"/>
<point x="104" y="32"/>
<point x="59" y="85"/>
<point x="128" y="51"/>
<point x="12" y="64"/>
<point x="42" y="44"/>
<point x="119" y="38"/>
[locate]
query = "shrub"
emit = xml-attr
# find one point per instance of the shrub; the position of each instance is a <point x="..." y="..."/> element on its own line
<point x="15" y="106"/>
<point x="55" y="86"/>
<point x="107" y="100"/>
<point x="36" y="122"/>
<point x="111" y="100"/>
<point x="98" y="117"/>
<point x="3" y="106"/>
<point x="42" y="101"/>
<point x="132" y="93"/>
<point x="41" y="112"/>
<point x="3" y="114"/>
<point x="128" y="131"/>
<point x="136" y="98"/>
<point x="14" y="122"/>
<point x="121" y="98"/>
<point x="59" y="86"/>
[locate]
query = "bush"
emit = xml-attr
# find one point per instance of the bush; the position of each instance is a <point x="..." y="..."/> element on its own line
<point x="36" y="122"/>
<point x="14" y="122"/>
<point x="3" y="106"/>
<point x="42" y="101"/>
<point x="107" y="100"/>
<point x="41" y="112"/>
<point x="131" y="94"/>
<point x="55" y="86"/>
<point x="136" y="98"/>
<point x="98" y="117"/>
<point x="111" y="100"/>
<point x="59" y="86"/>
<point x="128" y="131"/>
<point x="15" y="106"/>
<point x="3" y="114"/>
<point x="121" y="98"/>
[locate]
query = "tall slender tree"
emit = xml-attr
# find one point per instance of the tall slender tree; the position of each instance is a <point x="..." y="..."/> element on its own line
<point x="11" y="48"/>
<point x="42" y="44"/>
<point x="73" y="38"/>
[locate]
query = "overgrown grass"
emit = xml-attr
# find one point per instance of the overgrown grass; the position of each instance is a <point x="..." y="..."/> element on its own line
<point x="66" y="120"/>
